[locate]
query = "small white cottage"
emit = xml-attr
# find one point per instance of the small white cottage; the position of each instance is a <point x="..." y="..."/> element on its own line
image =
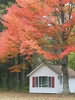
<point x="49" y="79"/>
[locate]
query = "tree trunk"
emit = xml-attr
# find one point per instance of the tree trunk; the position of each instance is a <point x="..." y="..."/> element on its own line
<point x="64" y="62"/>
<point x="22" y="79"/>
<point x="17" y="73"/>
<point x="17" y="80"/>
<point x="65" y="75"/>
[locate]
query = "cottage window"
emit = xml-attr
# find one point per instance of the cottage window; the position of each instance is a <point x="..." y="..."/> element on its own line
<point x="43" y="81"/>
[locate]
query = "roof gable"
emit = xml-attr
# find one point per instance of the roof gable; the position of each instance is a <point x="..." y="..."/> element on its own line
<point x="55" y="68"/>
<point x="41" y="65"/>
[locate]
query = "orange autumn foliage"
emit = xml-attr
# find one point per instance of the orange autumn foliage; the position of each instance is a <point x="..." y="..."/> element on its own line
<point x="28" y="21"/>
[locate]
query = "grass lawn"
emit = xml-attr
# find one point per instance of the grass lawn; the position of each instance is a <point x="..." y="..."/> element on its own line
<point x="26" y="96"/>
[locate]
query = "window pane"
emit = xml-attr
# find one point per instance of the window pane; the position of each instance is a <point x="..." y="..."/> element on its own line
<point x="43" y="81"/>
<point x="40" y="82"/>
<point x="36" y="81"/>
<point x="49" y="81"/>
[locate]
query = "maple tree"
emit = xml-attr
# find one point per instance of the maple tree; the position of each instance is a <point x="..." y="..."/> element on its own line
<point x="32" y="26"/>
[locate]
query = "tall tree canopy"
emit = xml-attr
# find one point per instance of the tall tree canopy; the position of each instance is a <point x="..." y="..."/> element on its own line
<point x="42" y="26"/>
<point x="29" y="21"/>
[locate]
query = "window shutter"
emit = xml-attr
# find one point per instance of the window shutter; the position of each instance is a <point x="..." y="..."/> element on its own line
<point x="53" y="82"/>
<point x="33" y="81"/>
